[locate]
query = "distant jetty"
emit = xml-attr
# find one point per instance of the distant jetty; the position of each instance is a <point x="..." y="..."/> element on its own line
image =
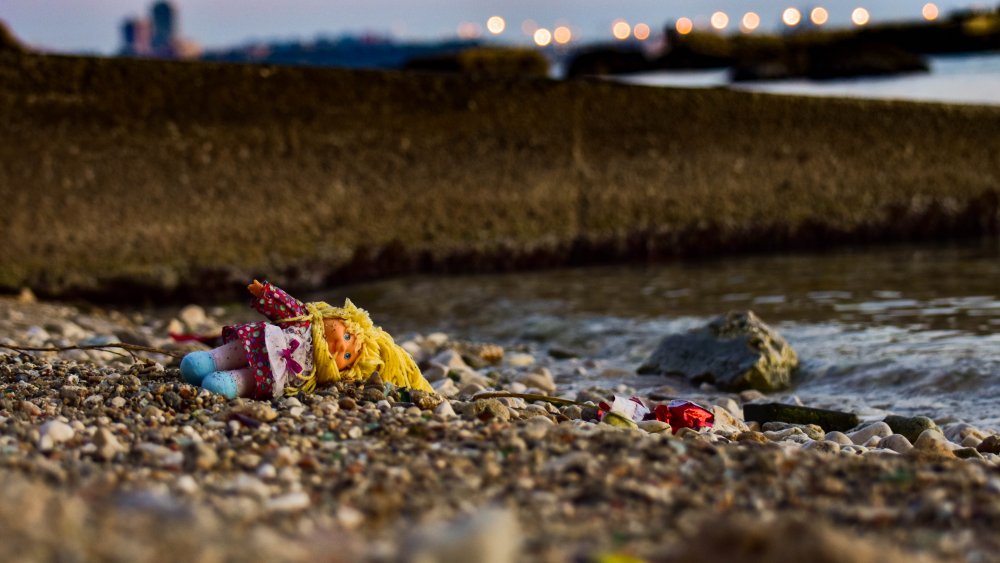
<point x="147" y="180"/>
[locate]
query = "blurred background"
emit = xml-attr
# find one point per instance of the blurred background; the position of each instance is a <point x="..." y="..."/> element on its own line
<point x="929" y="45"/>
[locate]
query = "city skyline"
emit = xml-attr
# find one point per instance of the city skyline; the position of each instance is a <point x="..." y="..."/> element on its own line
<point x="94" y="25"/>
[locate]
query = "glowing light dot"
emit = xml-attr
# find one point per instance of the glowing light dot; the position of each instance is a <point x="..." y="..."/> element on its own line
<point x="562" y="35"/>
<point x="684" y="26"/>
<point x="750" y="22"/>
<point x="720" y="20"/>
<point x="791" y="17"/>
<point x="496" y="25"/>
<point x="860" y="16"/>
<point x="930" y="11"/>
<point x="819" y="16"/>
<point x="621" y="30"/>
<point x="542" y="37"/>
<point x="641" y="31"/>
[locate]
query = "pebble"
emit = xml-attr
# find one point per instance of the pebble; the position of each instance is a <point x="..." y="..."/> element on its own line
<point x="107" y="444"/>
<point x="824" y="446"/>
<point x="540" y="379"/>
<point x="291" y="502"/>
<point x="445" y="409"/>
<point x="991" y="445"/>
<point x="30" y="409"/>
<point x="654" y="426"/>
<point x="897" y="443"/>
<point x="910" y="426"/>
<point x="489" y="536"/>
<point x="54" y="432"/>
<point x="932" y="441"/>
<point x="879" y="429"/>
<point x="838" y="437"/>
<point x="519" y="360"/>
<point x="445" y="387"/>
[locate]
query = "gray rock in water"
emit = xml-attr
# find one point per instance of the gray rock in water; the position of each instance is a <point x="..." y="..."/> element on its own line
<point x="908" y="426"/>
<point x="736" y="351"/>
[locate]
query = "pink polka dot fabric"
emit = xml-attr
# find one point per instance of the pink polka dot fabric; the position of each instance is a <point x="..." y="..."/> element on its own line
<point x="275" y="304"/>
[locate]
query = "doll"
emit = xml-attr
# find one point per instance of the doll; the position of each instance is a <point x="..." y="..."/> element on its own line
<point x="304" y="345"/>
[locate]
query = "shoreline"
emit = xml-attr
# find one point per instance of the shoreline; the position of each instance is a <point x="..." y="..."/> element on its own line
<point x="153" y="162"/>
<point x="126" y="452"/>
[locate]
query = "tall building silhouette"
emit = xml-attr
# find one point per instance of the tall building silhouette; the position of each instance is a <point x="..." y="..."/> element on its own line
<point x="164" y="27"/>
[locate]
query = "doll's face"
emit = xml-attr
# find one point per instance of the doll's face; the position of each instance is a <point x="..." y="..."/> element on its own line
<point x="343" y="345"/>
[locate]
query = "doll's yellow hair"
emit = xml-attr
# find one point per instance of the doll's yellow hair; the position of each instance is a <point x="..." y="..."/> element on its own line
<point x="376" y="350"/>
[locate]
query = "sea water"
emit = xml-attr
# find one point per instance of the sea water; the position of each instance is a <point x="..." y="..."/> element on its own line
<point x="907" y="330"/>
<point x="965" y="79"/>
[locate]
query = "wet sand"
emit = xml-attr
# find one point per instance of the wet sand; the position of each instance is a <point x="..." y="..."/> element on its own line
<point x="143" y="180"/>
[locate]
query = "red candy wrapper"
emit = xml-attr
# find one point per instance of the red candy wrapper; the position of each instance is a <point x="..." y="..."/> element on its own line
<point x="683" y="414"/>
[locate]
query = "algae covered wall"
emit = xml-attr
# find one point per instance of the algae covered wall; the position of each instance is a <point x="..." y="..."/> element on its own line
<point x="124" y="176"/>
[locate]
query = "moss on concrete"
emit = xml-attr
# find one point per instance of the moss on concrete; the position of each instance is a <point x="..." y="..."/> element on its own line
<point x="125" y="176"/>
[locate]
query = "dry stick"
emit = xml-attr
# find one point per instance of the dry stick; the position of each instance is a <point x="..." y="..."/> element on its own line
<point x="527" y="397"/>
<point x="103" y="347"/>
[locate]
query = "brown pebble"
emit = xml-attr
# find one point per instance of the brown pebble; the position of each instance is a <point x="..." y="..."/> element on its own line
<point x="991" y="445"/>
<point x="347" y="404"/>
<point x="30" y="409"/>
<point x="751" y="436"/>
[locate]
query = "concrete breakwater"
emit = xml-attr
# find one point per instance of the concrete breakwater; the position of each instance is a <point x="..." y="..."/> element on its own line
<point x="131" y="179"/>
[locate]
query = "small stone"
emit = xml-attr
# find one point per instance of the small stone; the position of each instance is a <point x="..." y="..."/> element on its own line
<point x="436" y="339"/>
<point x="193" y="317"/>
<point x="932" y="441"/>
<point x="186" y="484"/>
<point x="654" y="426"/>
<point x="811" y="430"/>
<point x="445" y="409"/>
<point x="290" y="402"/>
<point x="118" y="402"/>
<point x="838" y="437"/>
<point x="347" y="404"/>
<point x="490" y="409"/>
<point x="751" y="436"/>
<point x="107" y="444"/>
<point x="991" y="445"/>
<point x="967" y="453"/>
<point x="824" y="446"/>
<point x="911" y="427"/>
<point x="355" y="432"/>
<point x="244" y="484"/>
<point x="296" y="412"/>
<point x="880" y="429"/>
<point x="266" y="471"/>
<point x="291" y="502"/>
<point x="445" y="387"/>
<point x="779" y="435"/>
<point x="897" y="443"/>
<point x="519" y="360"/>
<point x="539" y="379"/>
<point x="490" y="535"/>
<point x="451" y="360"/>
<point x="971" y="441"/>
<point x="256" y="410"/>
<point x="26" y="296"/>
<point x="572" y="412"/>
<point x="201" y="456"/>
<point x="536" y="427"/>
<point x="349" y="517"/>
<point x="30" y="409"/>
<point x="749" y="395"/>
<point x="53" y="432"/>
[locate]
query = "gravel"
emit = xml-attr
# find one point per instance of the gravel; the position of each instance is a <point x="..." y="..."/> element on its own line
<point x="104" y="457"/>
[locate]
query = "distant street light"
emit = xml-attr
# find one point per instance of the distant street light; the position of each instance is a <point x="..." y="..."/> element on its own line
<point x="621" y="30"/>
<point x="930" y="11"/>
<point x="750" y="22"/>
<point x="860" y="16"/>
<point x="720" y="20"/>
<point x="542" y="37"/>
<point x="684" y="26"/>
<point x="791" y="17"/>
<point x="641" y="31"/>
<point x="496" y="25"/>
<point x="819" y="16"/>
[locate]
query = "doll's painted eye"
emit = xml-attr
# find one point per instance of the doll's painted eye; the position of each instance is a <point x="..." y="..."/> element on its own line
<point x="347" y="356"/>
<point x="347" y="336"/>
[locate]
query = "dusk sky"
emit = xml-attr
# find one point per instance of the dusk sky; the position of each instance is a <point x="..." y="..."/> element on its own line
<point x="93" y="25"/>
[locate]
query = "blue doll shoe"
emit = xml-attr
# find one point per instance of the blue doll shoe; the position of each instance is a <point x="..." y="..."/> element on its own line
<point x="222" y="383"/>
<point x="195" y="366"/>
